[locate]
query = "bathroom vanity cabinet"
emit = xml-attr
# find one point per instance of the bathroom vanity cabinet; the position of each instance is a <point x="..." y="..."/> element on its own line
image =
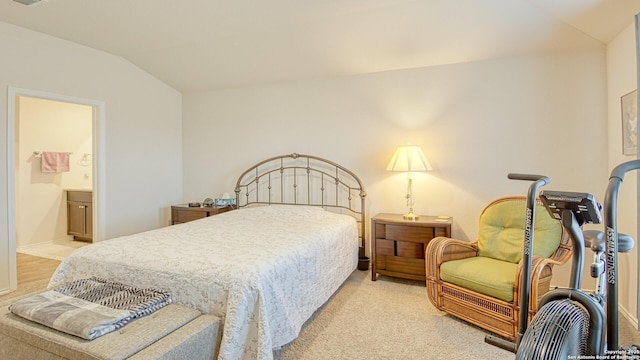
<point x="80" y="215"/>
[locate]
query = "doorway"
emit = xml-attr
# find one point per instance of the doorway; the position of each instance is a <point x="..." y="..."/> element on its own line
<point x="71" y="125"/>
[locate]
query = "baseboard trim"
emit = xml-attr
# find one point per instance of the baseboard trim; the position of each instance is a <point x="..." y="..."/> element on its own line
<point x="633" y="320"/>
<point x="627" y="315"/>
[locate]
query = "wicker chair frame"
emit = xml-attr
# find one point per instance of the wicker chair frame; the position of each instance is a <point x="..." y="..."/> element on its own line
<point x="495" y="315"/>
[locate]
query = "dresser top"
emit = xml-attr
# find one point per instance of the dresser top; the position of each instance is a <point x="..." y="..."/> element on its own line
<point x="422" y="220"/>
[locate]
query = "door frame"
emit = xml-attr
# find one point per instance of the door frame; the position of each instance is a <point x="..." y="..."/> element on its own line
<point x="637" y="36"/>
<point x="98" y="165"/>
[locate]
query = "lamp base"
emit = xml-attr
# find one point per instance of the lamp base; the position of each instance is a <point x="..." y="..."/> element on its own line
<point x="411" y="216"/>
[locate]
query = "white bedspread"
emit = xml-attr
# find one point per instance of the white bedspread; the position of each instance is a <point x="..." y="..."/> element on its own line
<point x="264" y="270"/>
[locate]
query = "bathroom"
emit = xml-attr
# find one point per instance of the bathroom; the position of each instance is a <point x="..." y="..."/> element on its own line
<point x="41" y="197"/>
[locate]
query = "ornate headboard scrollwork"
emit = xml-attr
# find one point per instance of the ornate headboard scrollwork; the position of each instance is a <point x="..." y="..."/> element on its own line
<point x="297" y="179"/>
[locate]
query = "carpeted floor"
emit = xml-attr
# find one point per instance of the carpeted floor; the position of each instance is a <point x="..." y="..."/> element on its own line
<point x="385" y="319"/>
<point x="393" y="319"/>
<point x="24" y="290"/>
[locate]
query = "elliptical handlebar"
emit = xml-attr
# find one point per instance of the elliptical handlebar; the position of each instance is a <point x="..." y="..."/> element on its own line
<point x="610" y="210"/>
<point x="528" y="177"/>
<point x="525" y="280"/>
<point x="538" y="181"/>
<point x="624" y="168"/>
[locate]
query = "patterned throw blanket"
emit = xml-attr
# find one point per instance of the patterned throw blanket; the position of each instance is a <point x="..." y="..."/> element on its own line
<point x="89" y="308"/>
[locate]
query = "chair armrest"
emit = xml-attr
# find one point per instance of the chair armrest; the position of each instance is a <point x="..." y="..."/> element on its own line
<point x="442" y="249"/>
<point x="564" y="251"/>
<point x="541" y="270"/>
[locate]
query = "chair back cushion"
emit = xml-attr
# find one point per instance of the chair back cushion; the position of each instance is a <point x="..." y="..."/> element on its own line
<point x="501" y="230"/>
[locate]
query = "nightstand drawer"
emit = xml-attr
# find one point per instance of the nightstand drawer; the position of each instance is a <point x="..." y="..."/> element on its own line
<point x="186" y="216"/>
<point x="385" y="247"/>
<point x="408" y="233"/>
<point x="410" y="249"/>
<point x="404" y="265"/>
<point x="184" y="213"/>
<point x="442" y="231"/>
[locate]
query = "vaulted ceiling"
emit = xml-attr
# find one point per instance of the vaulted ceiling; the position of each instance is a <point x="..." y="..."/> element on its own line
<point x="196" y="45"/>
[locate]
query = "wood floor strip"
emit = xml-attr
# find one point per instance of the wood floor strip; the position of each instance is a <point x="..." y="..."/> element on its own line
<point x="34" y="269"/>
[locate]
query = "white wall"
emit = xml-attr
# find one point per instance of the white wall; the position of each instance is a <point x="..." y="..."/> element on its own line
<point x="476" y="122"/>
<point x="621" y="76"/>
<point x="44" y="125"/>
<point x="142" y="141"/>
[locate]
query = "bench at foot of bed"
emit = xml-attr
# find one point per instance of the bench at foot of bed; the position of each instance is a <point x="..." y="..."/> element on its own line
<point x="173" y="332"/>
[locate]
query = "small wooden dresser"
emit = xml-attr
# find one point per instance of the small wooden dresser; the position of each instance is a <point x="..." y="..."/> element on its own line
<point x="184" y="213"/>
<point x="398" y="245"/>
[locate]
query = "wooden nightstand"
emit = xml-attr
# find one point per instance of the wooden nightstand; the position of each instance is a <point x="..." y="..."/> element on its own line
<point x="398" y="245"/>
<point x="183" y="213"/>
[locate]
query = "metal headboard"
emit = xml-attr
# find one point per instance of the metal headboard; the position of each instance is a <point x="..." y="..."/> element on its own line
<point x="297" y="179"/>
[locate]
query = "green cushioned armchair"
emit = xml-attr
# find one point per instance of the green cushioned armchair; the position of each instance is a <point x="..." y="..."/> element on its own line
<point x="479" y="281"/>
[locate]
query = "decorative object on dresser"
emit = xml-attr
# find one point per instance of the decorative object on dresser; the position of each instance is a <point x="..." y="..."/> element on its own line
<point x="409" y="159"/>
<point x="480" y="281"/>
<point x="207" y="202"/>
<point x="398" y="245"/>
<point x="184" y="212"/>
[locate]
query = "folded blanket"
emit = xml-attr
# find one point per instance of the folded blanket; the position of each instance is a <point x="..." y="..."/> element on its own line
<point x="116" y="295"/>
<point x="70" y="315"/>
<point x="89" y="308"/>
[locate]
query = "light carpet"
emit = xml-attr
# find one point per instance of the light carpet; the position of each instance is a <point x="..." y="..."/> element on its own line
<point x="24" y="290"/>
<point x="386" y="319"/>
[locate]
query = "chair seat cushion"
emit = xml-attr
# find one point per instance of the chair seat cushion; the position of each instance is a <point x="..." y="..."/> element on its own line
<point x="483" y="275"/>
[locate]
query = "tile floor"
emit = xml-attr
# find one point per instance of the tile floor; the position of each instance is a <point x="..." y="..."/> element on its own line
<point x="56" y="250"/>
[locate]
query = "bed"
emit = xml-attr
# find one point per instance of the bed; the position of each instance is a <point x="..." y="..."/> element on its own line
<point x="264" y="268"/>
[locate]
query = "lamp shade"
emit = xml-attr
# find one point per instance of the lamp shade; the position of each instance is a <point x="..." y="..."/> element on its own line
<point x="409" y="158"/>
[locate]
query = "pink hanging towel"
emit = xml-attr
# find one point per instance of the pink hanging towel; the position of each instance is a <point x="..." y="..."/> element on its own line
<point x="54" y="161"/>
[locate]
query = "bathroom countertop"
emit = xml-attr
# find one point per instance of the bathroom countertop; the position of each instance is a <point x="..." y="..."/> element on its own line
<point x="79" y="189"/>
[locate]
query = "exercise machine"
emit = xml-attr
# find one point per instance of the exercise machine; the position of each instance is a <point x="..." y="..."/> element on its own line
<point x="523" y="316"/>
<point x="572" y="322"/>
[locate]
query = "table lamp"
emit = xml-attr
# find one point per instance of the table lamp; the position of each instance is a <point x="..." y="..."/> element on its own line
<point x="409" y="159"/>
